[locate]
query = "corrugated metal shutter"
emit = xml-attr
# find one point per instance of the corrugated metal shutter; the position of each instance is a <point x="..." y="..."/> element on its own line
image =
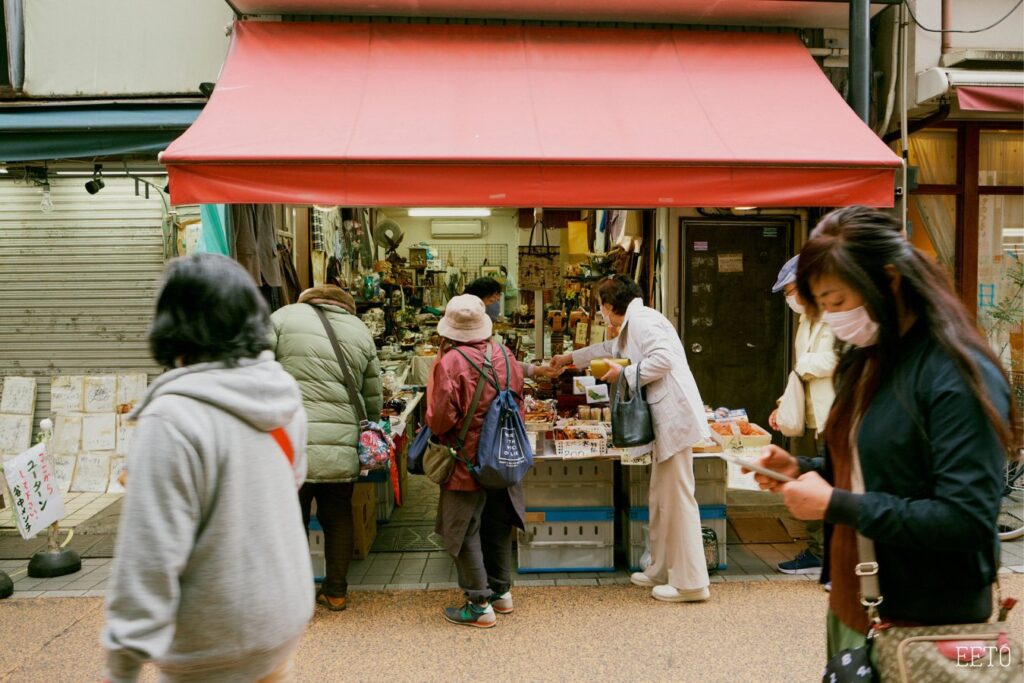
<point x="77" y="285"/>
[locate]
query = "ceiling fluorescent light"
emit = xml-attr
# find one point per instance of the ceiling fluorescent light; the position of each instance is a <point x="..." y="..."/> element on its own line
<point x="455" y="212"/>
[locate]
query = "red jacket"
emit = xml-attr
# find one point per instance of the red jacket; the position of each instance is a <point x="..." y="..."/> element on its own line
<point x="450" y="393"/>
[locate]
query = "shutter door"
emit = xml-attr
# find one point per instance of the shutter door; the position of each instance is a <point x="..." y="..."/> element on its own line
<point x="77" y="285"/>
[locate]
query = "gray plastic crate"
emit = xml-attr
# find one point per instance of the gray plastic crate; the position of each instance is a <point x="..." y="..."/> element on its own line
<point x="710" y="485"/>
<point x="587" y="483"/>
<point x="633" y="536"/>
<point x="568" y="541"/>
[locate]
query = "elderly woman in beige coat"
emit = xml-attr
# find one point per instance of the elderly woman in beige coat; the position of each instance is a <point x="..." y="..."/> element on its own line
<point x="678" y="572"/>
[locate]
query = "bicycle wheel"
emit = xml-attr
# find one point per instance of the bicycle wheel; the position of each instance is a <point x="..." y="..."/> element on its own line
<point x="1010" y="523"/>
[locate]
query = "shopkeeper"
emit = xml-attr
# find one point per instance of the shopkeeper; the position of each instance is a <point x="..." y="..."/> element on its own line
<point x="490" y="292"/>
<point x="678" y="571"/>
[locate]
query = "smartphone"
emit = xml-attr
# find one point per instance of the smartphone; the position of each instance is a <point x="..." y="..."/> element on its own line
<point x="750" y="464"/>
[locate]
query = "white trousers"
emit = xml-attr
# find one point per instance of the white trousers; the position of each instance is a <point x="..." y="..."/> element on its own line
<point x="677" y="547"/>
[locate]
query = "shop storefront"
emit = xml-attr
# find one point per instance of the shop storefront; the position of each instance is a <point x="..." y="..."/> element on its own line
<point x="458" y="139"/>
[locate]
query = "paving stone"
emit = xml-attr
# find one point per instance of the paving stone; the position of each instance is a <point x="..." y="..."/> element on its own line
<point x="26" y="594"/>
<point x="576" y="582"/>
<point x="745" y="578"/>
<point x="406" y="586"/>
<point x="63" y="594"/>
<point x="367" y="587"/>
<point x="442" y="585"/>
<point x="535" y="582"/>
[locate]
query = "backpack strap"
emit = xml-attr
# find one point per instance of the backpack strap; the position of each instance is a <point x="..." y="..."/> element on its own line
<point x="281" y="437"/>
<point x="477" y="394"/>
<point x="487" y="371"/>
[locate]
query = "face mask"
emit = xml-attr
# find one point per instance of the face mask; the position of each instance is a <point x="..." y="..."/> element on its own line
<point x="493" y="310"/>
<point x="854" y="327"/>
<point x="604" y="316"/>
<point x="797" y="307"/>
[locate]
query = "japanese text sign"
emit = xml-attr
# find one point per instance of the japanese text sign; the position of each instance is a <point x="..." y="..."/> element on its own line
<point x="34" y="492"/>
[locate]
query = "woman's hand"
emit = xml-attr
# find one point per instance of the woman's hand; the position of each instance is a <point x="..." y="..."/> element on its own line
<point x="773" y="420"/>
<point x="547" y="371"/>
<point x="614" y="370"/>
<point x="778" y="460"/>
<point x="807" y="498"/>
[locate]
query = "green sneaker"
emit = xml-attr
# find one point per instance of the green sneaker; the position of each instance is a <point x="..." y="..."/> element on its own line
<point x="501" y="602"/>
<point x="471" y="614"/>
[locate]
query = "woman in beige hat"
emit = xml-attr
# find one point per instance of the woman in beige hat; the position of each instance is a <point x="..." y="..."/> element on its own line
<point x="476" y="524"/>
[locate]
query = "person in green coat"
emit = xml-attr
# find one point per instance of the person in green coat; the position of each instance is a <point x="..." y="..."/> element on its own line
<point x="302" y="346"/>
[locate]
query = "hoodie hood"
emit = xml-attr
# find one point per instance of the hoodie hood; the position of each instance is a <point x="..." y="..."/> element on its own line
<point x="257" y="390"/>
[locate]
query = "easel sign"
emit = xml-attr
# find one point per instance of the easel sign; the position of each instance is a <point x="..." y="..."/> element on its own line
<point x="33" y="491"/>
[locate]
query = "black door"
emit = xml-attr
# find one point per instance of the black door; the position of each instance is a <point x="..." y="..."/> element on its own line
<point x="735" y="331"/>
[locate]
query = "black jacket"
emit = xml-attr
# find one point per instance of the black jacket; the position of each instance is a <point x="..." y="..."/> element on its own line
<point x="934" y="471"/>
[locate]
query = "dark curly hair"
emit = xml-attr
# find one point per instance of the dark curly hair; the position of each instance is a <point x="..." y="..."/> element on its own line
<point x="618" y="291"/>
<point x="208" y="309"/>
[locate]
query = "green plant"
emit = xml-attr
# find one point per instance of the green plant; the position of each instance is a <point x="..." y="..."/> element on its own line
<point x="1006" y="316"/>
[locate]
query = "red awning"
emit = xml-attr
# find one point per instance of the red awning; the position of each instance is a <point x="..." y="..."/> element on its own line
<point x="1006" y="99"/>
<point x="368" y="114"/>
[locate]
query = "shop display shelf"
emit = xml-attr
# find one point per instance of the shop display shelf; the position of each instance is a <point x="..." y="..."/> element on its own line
<point x="568" y="540"/>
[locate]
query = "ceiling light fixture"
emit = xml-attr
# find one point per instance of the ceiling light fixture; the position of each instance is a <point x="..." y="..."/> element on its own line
<point x="451" y="212"/>
<point x="96" y="184"/>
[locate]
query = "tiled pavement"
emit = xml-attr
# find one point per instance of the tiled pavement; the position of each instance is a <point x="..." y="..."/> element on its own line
<point x="435" y="570"/>
<point x="78" y="508"/>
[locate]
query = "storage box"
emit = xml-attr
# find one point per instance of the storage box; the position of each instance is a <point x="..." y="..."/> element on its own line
<point x="710" y="475"/>
<point x="711" y="517"/>
<point x="570" y="484"/>
<point x="568" y="540"/>
<point x="385" y="500"/>
<point x="364" y="523"/>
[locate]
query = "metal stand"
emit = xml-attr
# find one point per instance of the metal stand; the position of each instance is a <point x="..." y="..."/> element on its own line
<point x="6" y="586"/>
<point x="54" y="561"/>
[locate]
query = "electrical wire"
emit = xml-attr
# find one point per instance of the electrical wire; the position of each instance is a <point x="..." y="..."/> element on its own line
<point x="973" y="30"/>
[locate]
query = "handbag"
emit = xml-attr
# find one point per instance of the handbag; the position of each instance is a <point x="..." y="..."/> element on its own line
<point x="965" y="653"/>
<point x="374" y="447"/>
<point x="439" y="459"/>
<point x="631" y="417"/>
<point x="791" y="416"/>
<point x="538" y="263"/>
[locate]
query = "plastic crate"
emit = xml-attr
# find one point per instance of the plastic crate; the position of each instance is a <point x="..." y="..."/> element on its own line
<point x="316" y="549"/>
<point x="710" y="476"/>
<point x="568" y="540"/>
<point x="570" y="484"/>
<point x="319" y="561"/>
<point x="711" y="517"/>
<point x="385" y="500"/>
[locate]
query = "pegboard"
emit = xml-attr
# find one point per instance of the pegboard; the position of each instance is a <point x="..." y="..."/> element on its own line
<point x="469" y="257"/>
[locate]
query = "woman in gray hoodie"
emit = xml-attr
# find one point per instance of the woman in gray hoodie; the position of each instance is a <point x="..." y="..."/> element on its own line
<point x="212" y="579"/>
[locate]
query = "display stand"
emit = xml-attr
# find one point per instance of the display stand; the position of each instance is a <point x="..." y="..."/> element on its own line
<point x="54" y="561"/>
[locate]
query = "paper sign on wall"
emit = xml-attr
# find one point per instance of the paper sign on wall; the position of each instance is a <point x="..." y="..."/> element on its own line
<point x="66" y="394"/>
<point x="19" y="396"/>
<point x="100" y="392"/>
<point x="34" y="494"/>
<point x="731" y="262"/>
<point x="15" y="433"/>
<point x="92" y="473"/>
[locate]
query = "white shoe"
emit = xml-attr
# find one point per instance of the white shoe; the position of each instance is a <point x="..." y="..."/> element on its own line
<point x="641" y="579"/>
<point x="672" y="594"/>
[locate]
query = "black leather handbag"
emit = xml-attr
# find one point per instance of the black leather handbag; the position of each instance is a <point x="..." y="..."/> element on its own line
<point x="631" y="416"/>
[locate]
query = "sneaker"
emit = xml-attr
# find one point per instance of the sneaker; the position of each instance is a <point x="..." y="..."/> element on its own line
<point x="668" y="593"/>
<point x="471" y="614"/>
<point x="501" y="603"/>
<point x="641" y="579"/>
<point x="804" y="563"/>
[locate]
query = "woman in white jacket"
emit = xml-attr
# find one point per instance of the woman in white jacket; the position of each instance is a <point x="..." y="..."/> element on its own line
<point x="678" y="572"/>
<point x="815" y="362"/>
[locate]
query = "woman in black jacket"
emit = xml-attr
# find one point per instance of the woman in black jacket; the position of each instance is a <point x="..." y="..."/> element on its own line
<point x="922" y="397"/>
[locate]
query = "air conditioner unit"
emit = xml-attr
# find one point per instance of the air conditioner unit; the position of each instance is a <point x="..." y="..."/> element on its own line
<point x="449" y="229"/>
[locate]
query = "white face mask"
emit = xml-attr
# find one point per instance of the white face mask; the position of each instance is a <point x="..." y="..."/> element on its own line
<point x="854" y="327"/>
<point x="797" y="307"/>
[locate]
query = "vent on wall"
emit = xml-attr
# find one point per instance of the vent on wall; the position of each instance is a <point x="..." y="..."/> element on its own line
<point x="461" y="229"/>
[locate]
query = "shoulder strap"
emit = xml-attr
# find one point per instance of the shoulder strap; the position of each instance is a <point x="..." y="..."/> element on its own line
<point x="477" y="393"/>
<point x="346" y="373"/>
<point x="281" y="437"/>
<point x="487" y="371"/>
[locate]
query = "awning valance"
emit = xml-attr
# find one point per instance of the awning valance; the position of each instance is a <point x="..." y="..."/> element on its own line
<point x="38" y="133"/>
<point x="975" y="90"/>
<point x="373" y="114"/>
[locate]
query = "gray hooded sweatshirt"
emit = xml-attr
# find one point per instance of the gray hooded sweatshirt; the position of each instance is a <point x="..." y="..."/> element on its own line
<point x="212" y="578"/>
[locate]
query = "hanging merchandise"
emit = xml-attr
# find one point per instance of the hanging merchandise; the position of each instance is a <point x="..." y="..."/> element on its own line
<point x="538" y="264"/>
<point x="214" y="236"/>
<point x="601" y="231"/>
<point x="579" y="237"/>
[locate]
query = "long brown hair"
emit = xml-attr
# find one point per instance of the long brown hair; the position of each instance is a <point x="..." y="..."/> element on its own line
<point x="855" y="245"/>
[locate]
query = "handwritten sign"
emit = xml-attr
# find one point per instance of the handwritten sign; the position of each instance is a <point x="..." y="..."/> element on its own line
<point x="126" y="432"/>
<point x="92" y="473"/>
<point x="19" y="396"/>
<point x="67" y="434"/>
<point x="65" y="470"/>
<point x="100" y="392"/>
<point x="15" y="433"/>
<point x="34" y="494"/>
<point x="130" y="390"/>
<point x="118" y="465"/>
<point x="99" y="432"/>
<point x="66" y="394"/>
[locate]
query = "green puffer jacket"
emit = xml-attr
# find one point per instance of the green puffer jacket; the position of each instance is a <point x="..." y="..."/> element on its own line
<point x="302" y="347"/>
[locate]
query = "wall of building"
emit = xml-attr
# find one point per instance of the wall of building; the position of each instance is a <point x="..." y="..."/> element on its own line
<point x="107" y="48"/>
<point x="966" y="15"/>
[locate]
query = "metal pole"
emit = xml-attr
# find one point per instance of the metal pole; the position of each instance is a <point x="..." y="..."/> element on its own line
<point x="860" y="57"/>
